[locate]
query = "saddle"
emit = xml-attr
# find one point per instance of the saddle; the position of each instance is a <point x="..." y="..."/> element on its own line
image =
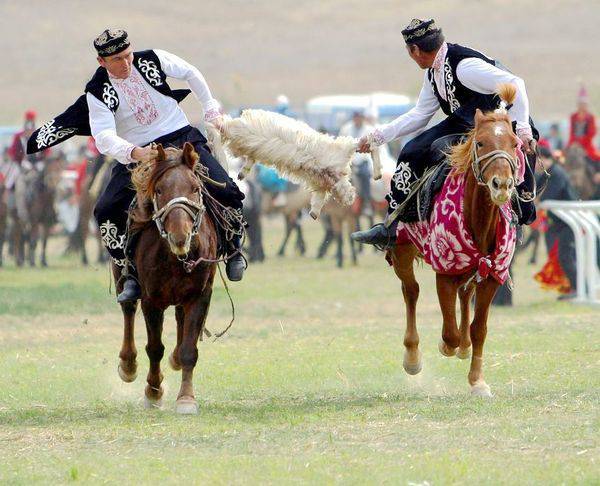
<point x="419" y="203"/>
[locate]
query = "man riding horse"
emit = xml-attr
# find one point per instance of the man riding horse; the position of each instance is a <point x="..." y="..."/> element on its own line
<point x="128" y="106"/>
<point x="458" y="80"/>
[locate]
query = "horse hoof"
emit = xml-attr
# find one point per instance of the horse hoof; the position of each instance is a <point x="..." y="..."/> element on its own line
<point x="151" y="404"/>
<point x="413" y="368"/>
<point x="445" y="349"/>
<point x="174" y="364"/>
<point x="463" y="353"/>
<point x="127" y="377"/>
<point x="186" y="406"/>
<point x="481" y="389"/>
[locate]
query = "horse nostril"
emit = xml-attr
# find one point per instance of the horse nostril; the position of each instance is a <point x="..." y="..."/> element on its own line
<point x="495" y="183"/>
<point x="510" y="183"/>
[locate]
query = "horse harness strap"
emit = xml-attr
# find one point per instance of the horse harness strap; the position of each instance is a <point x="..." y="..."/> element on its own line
<point x="479" y="170"/>
<point x="194" y="209"/>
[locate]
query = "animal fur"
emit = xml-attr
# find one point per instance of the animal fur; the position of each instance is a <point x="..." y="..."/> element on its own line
<point x="298" y="152"/>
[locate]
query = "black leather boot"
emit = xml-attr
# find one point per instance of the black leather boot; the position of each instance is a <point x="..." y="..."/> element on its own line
<point x="131" y="291"/>
<point x="236" y="264"/>
<point x="379" y="235"/>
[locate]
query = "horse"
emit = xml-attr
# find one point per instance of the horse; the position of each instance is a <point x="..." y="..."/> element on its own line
<point x="93" y="185"/>
<point x="486" y="166"/>
<point x="34" y="214"/>
<point x="172" y="230"/>
<point x="580" y="171"/>
<point x="3" y="215"/>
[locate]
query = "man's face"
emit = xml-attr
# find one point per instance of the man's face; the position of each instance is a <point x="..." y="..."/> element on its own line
<point x="118" y="65"/>
<point x="417" y="55"/>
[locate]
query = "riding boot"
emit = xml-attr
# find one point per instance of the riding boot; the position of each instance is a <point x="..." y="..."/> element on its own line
<point x="131" y="287"/>
<point x="236" y="263"/>
<point x="379" y="235"/>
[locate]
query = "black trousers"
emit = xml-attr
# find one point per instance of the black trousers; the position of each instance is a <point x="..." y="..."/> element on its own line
<point x="418" y="155"/>
<point x="112" y="206"/>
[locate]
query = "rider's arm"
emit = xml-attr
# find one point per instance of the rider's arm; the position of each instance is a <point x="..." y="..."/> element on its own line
<point x="483" y="77"/>
<point x="413" y="120"/>
<point x="104" y="131"/>
<point x="177" y="68"/>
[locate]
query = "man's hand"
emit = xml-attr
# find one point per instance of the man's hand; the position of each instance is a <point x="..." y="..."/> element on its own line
<point x="363" y="145"/>
<point x="144" y="154"/>
<point x="218" y="123"/>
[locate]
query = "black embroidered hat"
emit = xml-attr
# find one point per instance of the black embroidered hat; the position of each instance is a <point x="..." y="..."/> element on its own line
<point x="111" y="41"/>
<point x="418" y="30"/>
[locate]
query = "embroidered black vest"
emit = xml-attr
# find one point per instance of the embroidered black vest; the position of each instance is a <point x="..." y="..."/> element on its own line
<point x="75" y="119"/>
<point x="462" y="101"/>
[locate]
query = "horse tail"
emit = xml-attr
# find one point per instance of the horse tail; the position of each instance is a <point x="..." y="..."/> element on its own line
<point x="507" y="93"/>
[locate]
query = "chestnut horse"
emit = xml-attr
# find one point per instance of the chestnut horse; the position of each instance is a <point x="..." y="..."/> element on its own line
<point x="169" y="194"/>
<point x="488" y="162"/>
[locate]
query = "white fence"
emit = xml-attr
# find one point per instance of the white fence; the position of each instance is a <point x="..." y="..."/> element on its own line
<point x="582" y="218"/>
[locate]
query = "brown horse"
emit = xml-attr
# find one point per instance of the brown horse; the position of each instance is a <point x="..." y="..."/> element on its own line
<point x="3" y="216"/>
<point x="169" y="194"/>
<point x="580" y="171"/>
<point x="488" y="186"/>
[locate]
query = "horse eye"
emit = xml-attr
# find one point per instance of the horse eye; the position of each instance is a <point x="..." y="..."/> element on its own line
<point x="479" y="145"/>
<point x="158" y="192"/>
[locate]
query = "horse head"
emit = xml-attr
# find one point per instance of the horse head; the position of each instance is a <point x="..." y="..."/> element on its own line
<point x="170" y="184"/>
<point x="491" y="149"/>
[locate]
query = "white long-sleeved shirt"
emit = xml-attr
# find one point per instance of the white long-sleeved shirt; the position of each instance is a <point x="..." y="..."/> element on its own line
<point x="144" y="114"/>
<point x="473" y="73"/>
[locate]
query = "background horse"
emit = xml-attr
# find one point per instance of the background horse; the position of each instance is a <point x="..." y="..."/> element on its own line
<point x="169" y="192"/>
<point x="487" y="162"/>
<point x="580" y="171"/>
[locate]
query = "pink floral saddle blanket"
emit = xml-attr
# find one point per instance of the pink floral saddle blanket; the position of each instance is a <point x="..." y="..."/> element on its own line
<point x="446" y="243"/>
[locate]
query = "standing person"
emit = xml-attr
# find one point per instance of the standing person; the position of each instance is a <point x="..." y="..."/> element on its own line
<point x="362" y="168"/>
<point x="127" y="106"/>
<point x="583" y="127"/>
<point x="555" y="139"/>
<point x="558" y="234"/>
<point x="459" y="80"/>
<point x="17" y="152"/>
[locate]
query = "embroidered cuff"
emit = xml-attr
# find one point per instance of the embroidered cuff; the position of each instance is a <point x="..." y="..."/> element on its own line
<point x="128" y="157"/>
<point x="377" y="137"/>
<point x="212" y="114"/>
<point x="525" y="133"/>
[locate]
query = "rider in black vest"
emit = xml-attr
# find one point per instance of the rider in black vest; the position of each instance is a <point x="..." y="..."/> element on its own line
<point x="459" y="80"/>
<point x="127" y="106"/>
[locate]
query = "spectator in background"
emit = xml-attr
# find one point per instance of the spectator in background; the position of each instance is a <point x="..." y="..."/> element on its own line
<point x="362" y="168"/>
<point x="282" y="106"/>
<point x="583" y="127"/>
<point x="560" y="272"/>
<point x="17" y="152"/>
<point x="555" y="139"/>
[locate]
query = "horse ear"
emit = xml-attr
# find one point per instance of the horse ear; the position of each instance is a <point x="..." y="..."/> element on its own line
<point x="161" y="153"/>
<point x="478" y="116"/>
<point x="190" y="157"/>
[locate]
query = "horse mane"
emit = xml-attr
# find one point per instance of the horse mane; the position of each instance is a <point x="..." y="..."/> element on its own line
<point x="460" y="155"/>
<point x="145" y="175"/>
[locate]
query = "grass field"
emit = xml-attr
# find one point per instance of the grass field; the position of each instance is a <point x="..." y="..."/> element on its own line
<point x="308" y="386"/>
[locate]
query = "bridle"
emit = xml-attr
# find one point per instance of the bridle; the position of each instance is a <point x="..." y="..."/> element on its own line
<point x="487" y="159"/>
<point x="195" y="210"/>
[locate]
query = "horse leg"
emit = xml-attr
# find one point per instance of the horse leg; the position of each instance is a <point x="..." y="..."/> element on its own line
<point x="300" y="243"/>
<point x="127" y="356"/>
<point x="174" y="356"/>
<point x="484" y="295"/>
<point x="288" y="232"/>
<point x="464" y="347"/>
<point x="32" y="244"/>
<point x="353" y="251"/>
<point x="340" y="249"/>
<point x="402" y="259"/>
<point x="446" y="290"/>
<point x="155" y="351"/>
<point x="45" y="232"/>
<point x="195" y="317"/>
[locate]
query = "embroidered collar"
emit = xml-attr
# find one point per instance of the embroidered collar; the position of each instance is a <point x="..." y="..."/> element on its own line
<point x="438" y="62"/>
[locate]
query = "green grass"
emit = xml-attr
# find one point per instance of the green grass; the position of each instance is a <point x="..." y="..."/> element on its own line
<point x="308" y="386"/>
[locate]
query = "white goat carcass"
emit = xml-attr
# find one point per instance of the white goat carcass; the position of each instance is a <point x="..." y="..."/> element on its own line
<point x="298" y="152"/>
